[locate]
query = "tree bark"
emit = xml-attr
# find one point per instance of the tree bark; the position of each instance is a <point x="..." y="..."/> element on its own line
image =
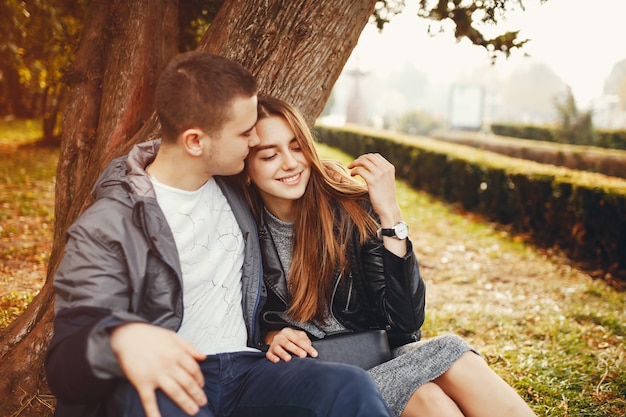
<point x="295" y="48"/>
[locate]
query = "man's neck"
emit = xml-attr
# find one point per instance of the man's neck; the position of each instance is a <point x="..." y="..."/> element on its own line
<point x="176" y="169"/>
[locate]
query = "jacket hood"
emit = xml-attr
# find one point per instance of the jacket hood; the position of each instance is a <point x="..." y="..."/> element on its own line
<point x="125" y="177"/>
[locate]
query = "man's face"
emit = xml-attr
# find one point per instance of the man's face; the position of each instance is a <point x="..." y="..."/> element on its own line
<point x="228" y="150"/>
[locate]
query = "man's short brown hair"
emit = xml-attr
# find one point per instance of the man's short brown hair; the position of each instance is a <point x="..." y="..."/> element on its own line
<point x="195" y="91"/>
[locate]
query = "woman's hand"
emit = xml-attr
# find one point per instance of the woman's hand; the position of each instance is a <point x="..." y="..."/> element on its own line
<point x="287" y="342"/>
<point x="379" y="175"/>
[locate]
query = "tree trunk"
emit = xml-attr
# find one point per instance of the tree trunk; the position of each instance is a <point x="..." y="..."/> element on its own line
<point x="124" y="47"/>
<point x="297" y="50"/>
<point x="15" y="93"/>
<point x="53" y="99"/>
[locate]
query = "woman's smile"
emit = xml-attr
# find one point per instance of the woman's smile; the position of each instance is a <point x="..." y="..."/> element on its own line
<point x="293" y="179"/>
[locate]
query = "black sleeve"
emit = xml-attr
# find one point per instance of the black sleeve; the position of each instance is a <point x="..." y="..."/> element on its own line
<point x="396" y="288"/>
<point x="68" y="371"/>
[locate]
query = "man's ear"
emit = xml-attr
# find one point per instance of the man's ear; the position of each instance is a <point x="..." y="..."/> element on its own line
<point x="192" y="141"/>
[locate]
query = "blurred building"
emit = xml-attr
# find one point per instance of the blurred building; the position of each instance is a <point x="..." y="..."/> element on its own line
<point x="607" y="113"/>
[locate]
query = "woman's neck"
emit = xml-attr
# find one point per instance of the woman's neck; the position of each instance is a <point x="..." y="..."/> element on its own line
<point x="281" y="209"/>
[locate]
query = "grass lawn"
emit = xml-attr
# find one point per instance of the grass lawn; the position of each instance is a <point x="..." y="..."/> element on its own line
<point x="548" y="329"/>
<point x="27" y="178"/>
<point x="552" y="332"/>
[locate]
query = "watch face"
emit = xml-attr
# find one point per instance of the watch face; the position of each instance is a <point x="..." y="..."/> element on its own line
<point x="402" y="230"/>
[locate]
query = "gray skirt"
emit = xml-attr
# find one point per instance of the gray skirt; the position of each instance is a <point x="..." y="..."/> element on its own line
<point x="415" y="364"/>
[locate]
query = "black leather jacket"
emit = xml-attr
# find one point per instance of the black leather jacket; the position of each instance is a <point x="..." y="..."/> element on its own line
<point x="382" y="290"/>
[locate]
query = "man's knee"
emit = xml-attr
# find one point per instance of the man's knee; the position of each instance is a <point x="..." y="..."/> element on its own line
<point x="355" y="392"/>
<point x="335" y="375"/>
<point x="125" y="402"/>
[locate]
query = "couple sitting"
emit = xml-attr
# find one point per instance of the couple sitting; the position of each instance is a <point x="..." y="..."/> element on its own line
<point x="164" y="306"/>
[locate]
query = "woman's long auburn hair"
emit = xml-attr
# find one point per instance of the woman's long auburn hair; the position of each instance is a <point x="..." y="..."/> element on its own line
<point x="331" y="210"/>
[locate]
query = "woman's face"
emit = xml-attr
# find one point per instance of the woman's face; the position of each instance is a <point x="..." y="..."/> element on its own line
<point x="278" y="167"/>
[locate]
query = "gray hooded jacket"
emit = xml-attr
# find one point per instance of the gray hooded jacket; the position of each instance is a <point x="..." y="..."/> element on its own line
<point x="121" y="265"/>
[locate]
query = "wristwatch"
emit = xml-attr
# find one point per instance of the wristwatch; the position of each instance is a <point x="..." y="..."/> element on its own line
<point x="400" y="231"/>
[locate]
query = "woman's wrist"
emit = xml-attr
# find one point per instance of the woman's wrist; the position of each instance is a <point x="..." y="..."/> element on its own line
<point x="391" y="218"/>
<point x="269" y="336"/>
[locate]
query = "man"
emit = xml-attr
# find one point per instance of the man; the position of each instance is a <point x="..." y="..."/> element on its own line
<point x="160" y="287"/>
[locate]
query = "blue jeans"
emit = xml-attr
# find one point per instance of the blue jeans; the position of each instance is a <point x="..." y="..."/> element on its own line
<point x="246" y="384"/>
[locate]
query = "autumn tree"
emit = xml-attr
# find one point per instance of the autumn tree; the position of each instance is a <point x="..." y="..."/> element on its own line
<point x="37" y="41"/>
<point x="574" y="126"/>
<point x="295" y="48"/>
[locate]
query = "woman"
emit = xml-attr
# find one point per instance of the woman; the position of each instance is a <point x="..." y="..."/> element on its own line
<point x="347" y="278"/>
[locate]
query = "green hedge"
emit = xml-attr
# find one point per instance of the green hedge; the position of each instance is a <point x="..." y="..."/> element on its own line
<point x="605" y="161"/>
<point x="523" y="131"/>
<point x="612" y="139"/>
<point x="615" y="139"/>
<point x="583" y="213"/>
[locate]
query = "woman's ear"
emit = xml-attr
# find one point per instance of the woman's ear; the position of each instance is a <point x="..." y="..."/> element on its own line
<point x="192" y="141"/>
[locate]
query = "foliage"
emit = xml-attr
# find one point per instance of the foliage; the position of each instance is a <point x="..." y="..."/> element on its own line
<point x="194" y="17"/>
<point x="611" y="139"/>
<point x="598" y="159"/>
<point x="385" y="10"/>
<point x="12" y="305"/>
<point x="467" y="14"/>
<point x="574" y="127"/>
<point x="522" y="131"/>
<point x="413" y="123"/>
<point x="15" y="132"/>
<point x="38" y="42"/>
<point x="615" y="139"/>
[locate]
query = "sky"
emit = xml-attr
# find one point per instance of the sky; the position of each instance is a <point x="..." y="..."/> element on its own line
<point x="581" y="44"/>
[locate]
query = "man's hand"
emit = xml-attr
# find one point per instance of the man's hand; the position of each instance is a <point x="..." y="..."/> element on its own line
<point x="152" y="358"/>
<point x="286" y="342"/>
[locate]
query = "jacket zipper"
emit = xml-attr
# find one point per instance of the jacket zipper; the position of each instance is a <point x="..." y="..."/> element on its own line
<point x="349" y="293"/>
<point x="332" y="298"/>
